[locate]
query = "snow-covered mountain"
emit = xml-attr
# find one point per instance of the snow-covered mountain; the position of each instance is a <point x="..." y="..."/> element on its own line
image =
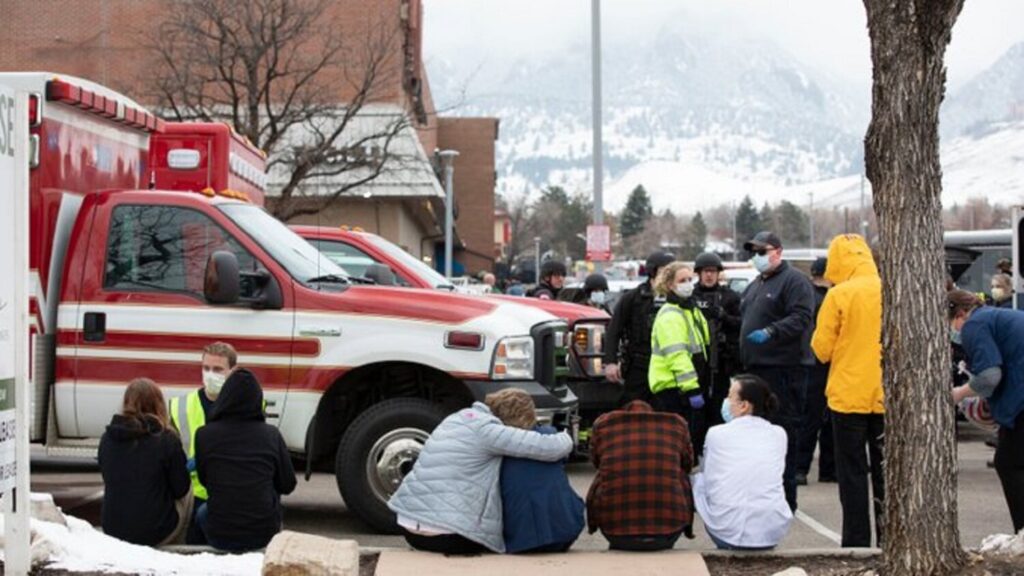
<point x="700" y="119"/>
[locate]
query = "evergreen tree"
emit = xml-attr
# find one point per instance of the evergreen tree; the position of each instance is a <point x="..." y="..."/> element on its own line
<point x="636" y="214"/>
<point x="768" y="221"/>
<point x="748" y="221"/>
<point x="793" y="226"/>
<point x="695" y="237"/>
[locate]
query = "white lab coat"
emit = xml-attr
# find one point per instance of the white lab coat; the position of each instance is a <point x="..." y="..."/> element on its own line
<point x="739" y="491"/>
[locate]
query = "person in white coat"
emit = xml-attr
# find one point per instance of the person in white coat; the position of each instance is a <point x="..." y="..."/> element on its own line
<point x="739" y="492"/>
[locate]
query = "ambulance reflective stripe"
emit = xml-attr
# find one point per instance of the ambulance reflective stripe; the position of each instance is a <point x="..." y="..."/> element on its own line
<point x="191" y="414"/>
<point x="673" y="345"/>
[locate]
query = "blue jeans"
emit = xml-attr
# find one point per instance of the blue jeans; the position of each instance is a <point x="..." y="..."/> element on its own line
<point x="723" y="545"/>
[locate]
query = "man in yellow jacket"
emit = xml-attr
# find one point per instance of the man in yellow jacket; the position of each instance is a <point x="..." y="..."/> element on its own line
<point x="849" y="335"/>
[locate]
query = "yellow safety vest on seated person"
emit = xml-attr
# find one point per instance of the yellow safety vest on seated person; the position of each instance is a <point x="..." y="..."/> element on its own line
<point x="678" y="334"/>
<point x="194" y="417"/>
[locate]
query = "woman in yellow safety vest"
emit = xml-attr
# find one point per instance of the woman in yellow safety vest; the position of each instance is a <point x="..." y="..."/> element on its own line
<point x="679" y="341"/>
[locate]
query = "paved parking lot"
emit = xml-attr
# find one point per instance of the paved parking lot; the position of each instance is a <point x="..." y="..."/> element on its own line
<point x="316" y="507"/>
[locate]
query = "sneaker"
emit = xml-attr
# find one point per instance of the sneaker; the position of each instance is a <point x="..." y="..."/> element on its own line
<point x="801" y="479"/>
<point x="827" y="479"/>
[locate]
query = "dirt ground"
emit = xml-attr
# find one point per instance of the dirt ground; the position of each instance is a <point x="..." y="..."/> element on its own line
<point x="831" y="566"/>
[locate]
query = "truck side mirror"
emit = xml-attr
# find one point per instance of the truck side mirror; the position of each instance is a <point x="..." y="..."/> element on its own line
<point x="270" y="296"/>
<point x="381" y="274"/>
<point x="222" y="279"/>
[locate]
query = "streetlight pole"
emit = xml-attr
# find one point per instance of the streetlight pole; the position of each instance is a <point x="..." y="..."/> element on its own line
<point x="448" y="160"/>
<point x="595" y="76"/>
<point x="536" y="259"/>
<point x="810" y="218"/>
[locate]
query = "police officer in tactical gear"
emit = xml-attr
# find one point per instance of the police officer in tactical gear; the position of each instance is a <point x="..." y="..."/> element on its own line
<point x="552" y="278"/>
<point x="721" y="306"/>
<point x="627" y="347"/>
<point x="595" y="292"/>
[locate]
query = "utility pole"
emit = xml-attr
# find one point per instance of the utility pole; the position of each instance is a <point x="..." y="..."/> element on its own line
<point x="536" y="259"/>
<point x="448" y="161"/>
<point x="735" y="236"/>
<point x="595" y="78"/>
<point x="810" y="217"/>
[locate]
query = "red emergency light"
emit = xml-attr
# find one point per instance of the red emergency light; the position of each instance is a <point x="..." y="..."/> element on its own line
<point x="35" y="116"/>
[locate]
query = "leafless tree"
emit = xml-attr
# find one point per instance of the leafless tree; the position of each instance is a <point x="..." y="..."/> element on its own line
<point x="908" y="44"/>
<point x="522" y="226"/>
<point x="296" y="82"/>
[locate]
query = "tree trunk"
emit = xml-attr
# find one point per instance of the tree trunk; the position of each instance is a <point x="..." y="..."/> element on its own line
<point x="908" y="43"/>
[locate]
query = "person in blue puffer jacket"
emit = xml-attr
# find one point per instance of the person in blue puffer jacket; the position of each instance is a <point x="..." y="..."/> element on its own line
<point x="450" y="502"/>
<point x="542" y="513"/>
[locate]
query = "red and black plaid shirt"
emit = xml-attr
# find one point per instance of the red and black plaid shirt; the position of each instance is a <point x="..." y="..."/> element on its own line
<point x="643" y="461"/>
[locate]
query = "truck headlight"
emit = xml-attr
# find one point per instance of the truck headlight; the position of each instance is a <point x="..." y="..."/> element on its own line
<point x="588" y="345"/>
<point x="513" y="359"/>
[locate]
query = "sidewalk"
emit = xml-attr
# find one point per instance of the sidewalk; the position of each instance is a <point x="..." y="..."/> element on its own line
<point x="409" y="563"/>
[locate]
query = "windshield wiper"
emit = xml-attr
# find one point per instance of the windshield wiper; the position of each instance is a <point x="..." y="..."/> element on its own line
<point x="335" y="278"/>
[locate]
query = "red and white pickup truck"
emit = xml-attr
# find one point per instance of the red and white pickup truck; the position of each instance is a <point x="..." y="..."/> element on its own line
<point x="128" y="281"/>
<point x="356" y="251"/>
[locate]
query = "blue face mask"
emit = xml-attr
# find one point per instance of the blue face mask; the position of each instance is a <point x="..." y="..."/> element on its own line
<point x="954" y="336"/>
<point x="761" y="262"/>
<point x="726" y="413"/>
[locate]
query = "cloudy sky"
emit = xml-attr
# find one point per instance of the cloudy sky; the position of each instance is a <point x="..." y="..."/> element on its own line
<point x="827" y="34"/>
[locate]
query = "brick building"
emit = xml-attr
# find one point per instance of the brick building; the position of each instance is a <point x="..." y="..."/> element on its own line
<point x="110" y="42"/>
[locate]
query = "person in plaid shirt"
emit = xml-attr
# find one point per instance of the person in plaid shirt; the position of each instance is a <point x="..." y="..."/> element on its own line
<point x="641" y="497"/>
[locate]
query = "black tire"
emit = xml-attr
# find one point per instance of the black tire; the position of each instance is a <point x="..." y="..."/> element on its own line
<point x="362" y="491"/>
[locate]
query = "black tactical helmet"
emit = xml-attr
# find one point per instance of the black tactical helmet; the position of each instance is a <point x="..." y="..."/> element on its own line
<point x="707" y="260"/>
<point x="595" y="283"/>
<point x="655" y="261"/>
<point x="552" y="268"/>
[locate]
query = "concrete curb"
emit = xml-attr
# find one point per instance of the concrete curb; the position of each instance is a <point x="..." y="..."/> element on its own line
<point x="853" y="553"/>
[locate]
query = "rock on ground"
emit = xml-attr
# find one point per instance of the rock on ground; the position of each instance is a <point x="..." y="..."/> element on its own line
<point x="295" y="554"/>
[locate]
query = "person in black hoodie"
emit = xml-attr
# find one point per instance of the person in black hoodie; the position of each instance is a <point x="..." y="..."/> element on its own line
<point x="146" y="487"/>
<point x="245" y="466"/>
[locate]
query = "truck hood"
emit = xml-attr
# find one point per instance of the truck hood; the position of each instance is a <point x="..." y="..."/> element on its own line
<point x="433" y="306"/>
<point x="571" y="313"/>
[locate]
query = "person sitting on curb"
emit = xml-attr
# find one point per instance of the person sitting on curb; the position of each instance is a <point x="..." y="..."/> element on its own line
<point x="147" y="498"/>
<point x="641" y="497"/>
<point x="739" y="492"/>
<point x="450" y="502"/>
<point x="245" y="465"/>
<point x="542" y="513"/>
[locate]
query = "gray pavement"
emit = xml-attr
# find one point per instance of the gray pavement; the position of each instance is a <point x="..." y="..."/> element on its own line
<point x="317" y="508"/>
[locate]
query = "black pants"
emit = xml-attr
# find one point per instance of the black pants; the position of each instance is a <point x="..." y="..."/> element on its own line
<point x="635" y="383"/>
<point x="816" y="427"/>
<point x="674" y="402"/>
<point x="721" y="380"/>
<point x="451" y="544"/>
<point x="1009" y="463"/>
<point x="642" y="543"/>
<point x="194" y="535"/>
<point x="789" y="384"/>
<point x="858" y="439"/>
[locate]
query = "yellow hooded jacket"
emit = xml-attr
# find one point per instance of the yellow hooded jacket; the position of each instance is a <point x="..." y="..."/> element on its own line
<point x="849" y="330"/>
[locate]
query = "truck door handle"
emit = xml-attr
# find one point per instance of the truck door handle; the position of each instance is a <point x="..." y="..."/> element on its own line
<point x="95" y="327"/>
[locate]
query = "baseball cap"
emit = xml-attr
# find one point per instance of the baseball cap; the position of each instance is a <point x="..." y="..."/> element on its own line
<point x="762" y="239"/>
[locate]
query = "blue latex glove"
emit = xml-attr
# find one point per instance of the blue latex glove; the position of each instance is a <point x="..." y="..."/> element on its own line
<point x="696" y="401"/>
<point x="191" y="465"/>
<point x="759" y="336"/>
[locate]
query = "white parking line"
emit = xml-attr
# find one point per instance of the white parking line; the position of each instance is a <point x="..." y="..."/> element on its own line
<point x="818" y="527"/>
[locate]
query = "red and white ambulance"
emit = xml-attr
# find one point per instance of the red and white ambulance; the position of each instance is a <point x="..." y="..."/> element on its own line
<point x="129" y="281"/>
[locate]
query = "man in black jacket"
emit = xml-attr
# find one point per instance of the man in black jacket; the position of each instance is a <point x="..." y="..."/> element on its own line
<point x="777" y="310"/>
<point x="817" y="424"/>
<point x="627" y="344"/>
<point x="721" y="306"/>
<point x="245" y="466"/>
<point x="552" y="279"/>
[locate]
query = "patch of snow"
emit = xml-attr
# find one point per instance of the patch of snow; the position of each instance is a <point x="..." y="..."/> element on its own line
<point x="80" y="547"/>
<point x="1008" y="544"/>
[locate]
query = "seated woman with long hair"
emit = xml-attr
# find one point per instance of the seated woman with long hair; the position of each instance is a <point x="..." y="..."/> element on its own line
<point x="147" y="497"/>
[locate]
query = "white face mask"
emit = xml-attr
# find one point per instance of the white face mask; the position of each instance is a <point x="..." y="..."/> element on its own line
<point x="998" y="294"/>
<point x="761" y="263"/>
<point x="684" y="289"/>
<point x="599" y="297"/>
<point x="213" y="382"/>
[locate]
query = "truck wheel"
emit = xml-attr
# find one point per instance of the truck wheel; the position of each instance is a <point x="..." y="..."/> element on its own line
<point x="377" y="451"/>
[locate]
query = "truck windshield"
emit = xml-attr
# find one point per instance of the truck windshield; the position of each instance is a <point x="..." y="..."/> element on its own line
<point x="304" y="262"/>
<point x="425" y="272"/>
